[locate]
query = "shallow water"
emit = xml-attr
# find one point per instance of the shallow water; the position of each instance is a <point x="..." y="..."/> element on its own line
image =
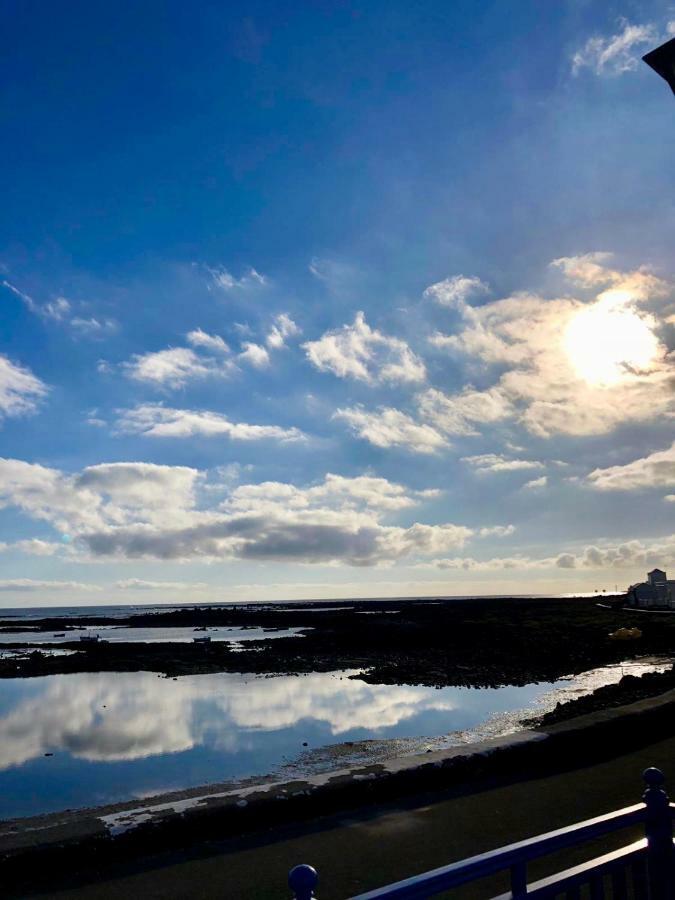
<point x="119" y="633"/>
<point x="133" y="734"/>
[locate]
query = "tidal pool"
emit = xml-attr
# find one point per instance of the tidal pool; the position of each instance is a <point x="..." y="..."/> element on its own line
<point x="69" y="741"/>
<point x="161" y="635"/>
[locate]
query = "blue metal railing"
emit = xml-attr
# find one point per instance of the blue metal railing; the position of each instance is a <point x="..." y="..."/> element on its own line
<point x="645" y="868"/>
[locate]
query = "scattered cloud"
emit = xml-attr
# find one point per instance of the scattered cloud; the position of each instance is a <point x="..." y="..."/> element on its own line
<point x="456" y="291"/>
<point x="212" y="342"/>
<point x="462" y="413"/>
<point x="138" y="584"/>
<point x="224" y="280"/>
<point x="654" y="471"/>
<point x="496" y="462"/>
<point x="156" y="420"/>
<point x="20" y="390"/>
<point x="633" y="554"/>
<point x="60" y="309"/>
<point x="388" y="427"/>
<point x="31" y="584"/>
<point x="615" y="54"/>
<point x="360" y="352"/>
<point x="173" y="367"/>
<point x="497" y="531"/>
<point x="94" y="328"/>
<point x="536" y="483"/>
<point x="283" y="327"/>
<point x="255" y="355"/>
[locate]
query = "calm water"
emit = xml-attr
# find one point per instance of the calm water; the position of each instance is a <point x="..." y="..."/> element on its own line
<point x="116" y="737"/>
<point x="116" y="633"/>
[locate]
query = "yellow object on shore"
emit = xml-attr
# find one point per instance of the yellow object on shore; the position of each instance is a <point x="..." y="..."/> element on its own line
<point x="625" y="634"/>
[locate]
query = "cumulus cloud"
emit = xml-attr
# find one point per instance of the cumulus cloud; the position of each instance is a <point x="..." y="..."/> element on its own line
<point x="536" y="483"/>
<point x="462" y="413"/>
<point x="615" y="54"/>
<point x="213" y="342"/>
<point x="496" y="462"/>
<point x="283" y="327"/>
<point x="388" y="427"/>
<point x="141" y="510"/>
<point x="654" y="471"/>
<point x="172" y="368"/>
<point x="635" y="554"/>
<point x="156" y="420"/>
<point x="255" y="355"/>
<point x="20" y="390"/>
<point x="456" y="291"/>
<point x="571" y="366"/>
<point x="360" y="352"/>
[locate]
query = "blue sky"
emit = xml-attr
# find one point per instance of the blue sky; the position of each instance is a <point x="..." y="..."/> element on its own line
<point x="329" y="299"/>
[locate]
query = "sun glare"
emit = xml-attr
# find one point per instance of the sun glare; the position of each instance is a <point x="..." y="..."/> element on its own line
<point x="608" y="340"/>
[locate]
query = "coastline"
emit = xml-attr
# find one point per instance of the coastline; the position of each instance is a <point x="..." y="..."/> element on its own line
<point x="123" y="832"/>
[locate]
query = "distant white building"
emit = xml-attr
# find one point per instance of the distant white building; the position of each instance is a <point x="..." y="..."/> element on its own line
<point x="655" y="592"/>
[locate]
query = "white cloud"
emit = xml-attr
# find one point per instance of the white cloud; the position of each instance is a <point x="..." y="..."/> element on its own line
<point x="213" y="342"/>
<point x="173" y="367"/>
<point x="57" y="309"/>
<point x="282" y="328"/>
<point x="145" y="511"/>
<point x="536" y="483"/>
<point x="456" y="291"/>
<point x="94" y="328"/>
<point x="654" y="471"/>
<point x="388" y="427"/>
<point x="254" y="354"/>
<point x="360" y="352"/>
<point x="496" y="462"/>
<point x="497" y="531"/>
<point x="635" y="555"/>
<point x="223" y="279"/>
<point x="462" y="413"/>
<point x="669" y="498"/>
<point x="36" y="547"/>
<point x="571" y="366"/>
<point x="60" y="309"/>
<point x="615" y="54"/>
<point x="31" y="584"/>
<point x="155" y="420"/>
<point x="20" y="390"/>
<point x="138" y="584"/>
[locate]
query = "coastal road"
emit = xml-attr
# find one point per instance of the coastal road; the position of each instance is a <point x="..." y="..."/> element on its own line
<point x="363" y="850"/>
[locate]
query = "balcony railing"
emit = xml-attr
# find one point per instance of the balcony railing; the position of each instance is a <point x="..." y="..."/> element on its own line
<point x="643" y="870"/>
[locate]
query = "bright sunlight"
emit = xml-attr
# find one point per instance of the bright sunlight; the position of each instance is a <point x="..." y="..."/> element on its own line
<point x="608" y="341"/>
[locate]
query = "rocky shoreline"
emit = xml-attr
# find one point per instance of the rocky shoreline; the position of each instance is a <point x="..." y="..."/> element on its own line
<point x="476" y="643"/>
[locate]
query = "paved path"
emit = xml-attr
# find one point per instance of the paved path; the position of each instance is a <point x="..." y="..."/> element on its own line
<point x="361" y="851"/>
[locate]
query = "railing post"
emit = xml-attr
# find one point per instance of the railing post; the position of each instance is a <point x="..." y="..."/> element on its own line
<point x="659" y="834"/>
<point x="302" y="880"/>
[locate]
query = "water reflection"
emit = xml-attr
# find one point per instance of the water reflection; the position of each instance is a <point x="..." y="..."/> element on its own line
<point x="117" y="633"/>
<point x="116" y="736"/>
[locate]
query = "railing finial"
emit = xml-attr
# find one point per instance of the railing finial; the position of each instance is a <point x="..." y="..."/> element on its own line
<point x="653" y="778"/>
<point x="302" y="880"/>
<point x="659" y="833"/>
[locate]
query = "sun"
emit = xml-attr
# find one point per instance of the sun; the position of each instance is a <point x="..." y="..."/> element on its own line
<point x="608" y="341"/>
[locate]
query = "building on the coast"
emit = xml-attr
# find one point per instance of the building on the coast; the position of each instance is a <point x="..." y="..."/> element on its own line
<point x="655" y="592"/>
